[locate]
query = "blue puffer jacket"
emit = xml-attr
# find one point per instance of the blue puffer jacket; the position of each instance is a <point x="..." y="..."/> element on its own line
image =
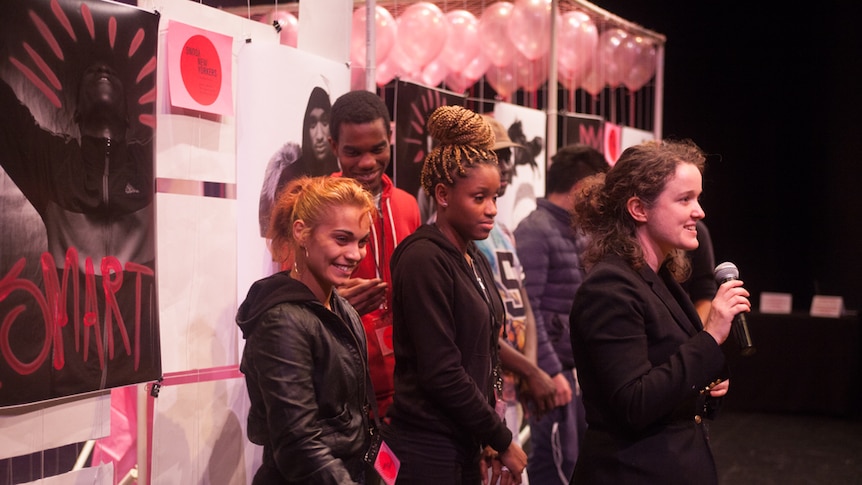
<point x="549" y="251"/>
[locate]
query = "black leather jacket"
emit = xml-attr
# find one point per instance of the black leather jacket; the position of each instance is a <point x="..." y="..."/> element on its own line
<point x="305" y="370"/>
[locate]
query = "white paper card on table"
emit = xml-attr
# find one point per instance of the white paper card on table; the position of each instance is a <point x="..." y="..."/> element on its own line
<point x="778" y="303"/>
<point x="827" y="306"/>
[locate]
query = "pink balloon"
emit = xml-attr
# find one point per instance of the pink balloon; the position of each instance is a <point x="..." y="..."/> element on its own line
<point x="611" y="52"/>
<point x="415" y="78"/>
<point x="494" y="33"/>
<point x="477" y="68"/>
<point x="357" y="78"/>
<point x="458" y="82"/>
<point x="577" y="40"/>
<point x="593" y="82"/>
<point x="289" y="25"/>
<point x="422" y="32"/>
<point x="530" y="26"/>
<point x="642" y="62"/>
<point x="434" y="73"/>
<point x="531" y="74"/>
<point x="405" y="67"/>
<point x="462" y="43"/>
<point x="591" y="78"/>
<point x="385" y="33"/>
<point x="568" y="79"/>
<point x="504" y="80"/>
<point x="386" y="72"/>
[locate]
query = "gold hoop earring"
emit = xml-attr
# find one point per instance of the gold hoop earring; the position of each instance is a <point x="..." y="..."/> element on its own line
<point x="295" y="267"/>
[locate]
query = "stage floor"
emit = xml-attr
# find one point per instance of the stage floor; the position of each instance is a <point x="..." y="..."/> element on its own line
<point x="786" y="449"/>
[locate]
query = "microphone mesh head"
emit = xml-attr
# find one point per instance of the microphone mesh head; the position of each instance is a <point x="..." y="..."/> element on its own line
<point x="726" y="271"/>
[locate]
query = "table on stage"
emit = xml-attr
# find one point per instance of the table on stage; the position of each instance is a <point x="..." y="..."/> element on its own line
<point x="803" y="364"/>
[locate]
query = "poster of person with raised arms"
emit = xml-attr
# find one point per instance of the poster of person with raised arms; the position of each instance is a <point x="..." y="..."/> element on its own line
<point x="77" y="258"/>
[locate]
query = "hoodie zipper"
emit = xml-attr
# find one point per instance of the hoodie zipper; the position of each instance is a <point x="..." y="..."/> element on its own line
<point x="106" y="200"/>
<point x="106" y="173"/>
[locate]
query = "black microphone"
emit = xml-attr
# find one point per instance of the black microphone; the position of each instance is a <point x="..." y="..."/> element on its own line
<point x="726" y="272"/>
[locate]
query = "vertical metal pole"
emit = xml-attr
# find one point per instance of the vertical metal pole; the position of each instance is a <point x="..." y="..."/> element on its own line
<point x="143" y="437"/>
<point x="371" y="45"/>
<point x="658" y="116"/>
<point x="553" y="76"/>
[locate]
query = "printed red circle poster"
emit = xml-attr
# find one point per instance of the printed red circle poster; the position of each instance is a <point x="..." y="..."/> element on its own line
<point x="199" y="69"/>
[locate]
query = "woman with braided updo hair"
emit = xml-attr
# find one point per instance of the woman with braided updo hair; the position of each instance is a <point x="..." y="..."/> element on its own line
<point x="447" y="318"/>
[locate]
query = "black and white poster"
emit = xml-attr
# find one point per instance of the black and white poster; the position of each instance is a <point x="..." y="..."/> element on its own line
<point x="78" y="307"/>
<point x="414" y="103"/>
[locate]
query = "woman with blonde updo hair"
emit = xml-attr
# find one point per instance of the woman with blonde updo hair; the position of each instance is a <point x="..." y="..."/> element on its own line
<point x="305" y="358"/>
<point x="447" y="318"/>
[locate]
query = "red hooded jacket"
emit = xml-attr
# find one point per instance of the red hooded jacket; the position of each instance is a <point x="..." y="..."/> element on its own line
<point x="398" y="218"/>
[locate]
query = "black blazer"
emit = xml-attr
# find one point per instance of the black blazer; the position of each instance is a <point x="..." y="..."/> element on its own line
<point x="642" y="358"/>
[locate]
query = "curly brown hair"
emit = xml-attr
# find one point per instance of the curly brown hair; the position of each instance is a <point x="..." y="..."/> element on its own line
<point x="642" y="171"/>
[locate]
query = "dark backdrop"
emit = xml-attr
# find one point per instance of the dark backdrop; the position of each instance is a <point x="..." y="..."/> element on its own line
<point x="772" y="91"/>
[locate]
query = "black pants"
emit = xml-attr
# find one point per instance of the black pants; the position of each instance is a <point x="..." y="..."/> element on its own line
<point x="433" y="458"/>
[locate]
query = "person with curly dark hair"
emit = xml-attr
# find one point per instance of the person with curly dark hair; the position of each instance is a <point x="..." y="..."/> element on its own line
<point x="650" y="371"/>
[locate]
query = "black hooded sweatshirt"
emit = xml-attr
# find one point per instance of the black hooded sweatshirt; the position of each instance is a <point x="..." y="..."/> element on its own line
<point x="306" y="374"/>
<point x="446" y="331"/>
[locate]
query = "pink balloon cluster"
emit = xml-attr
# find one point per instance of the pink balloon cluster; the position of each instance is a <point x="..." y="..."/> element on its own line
<point x="433" y="47"/>
<point x="422" y="32"/>
<point x="515" y="39"/>
<point x="508" y="44"/>
<point x="621" y="59"/>
<point x="514" y="47"/>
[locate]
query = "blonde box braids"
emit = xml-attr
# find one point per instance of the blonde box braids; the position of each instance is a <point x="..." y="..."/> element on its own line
<point x="464" y="140"/>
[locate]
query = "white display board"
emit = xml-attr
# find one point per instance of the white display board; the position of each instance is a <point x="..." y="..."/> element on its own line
<point x="98" y="475"/>
<point x="51" y="424"/>
<point x="199" y="435"/>
<point x="528" y="182"/>
<point x="274" y="87"/>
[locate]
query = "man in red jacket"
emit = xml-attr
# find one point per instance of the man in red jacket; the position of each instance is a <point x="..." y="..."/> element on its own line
<point x="360" y="131"/>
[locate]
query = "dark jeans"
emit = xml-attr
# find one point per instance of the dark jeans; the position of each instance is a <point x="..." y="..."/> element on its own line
<point x="555" y="440"/>
<point x="432" y="458"/>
